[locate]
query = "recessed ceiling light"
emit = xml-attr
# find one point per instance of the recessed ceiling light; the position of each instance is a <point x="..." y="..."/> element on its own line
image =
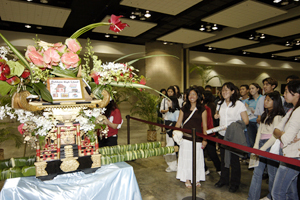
<point x="296" y="58"/>
<point x="142" y="18"/>
<point x="297" y="43"/>
<point x="202" y="28"/>
<point x="272" y="56"/>
<point x="276" y="1"/>
<point x="214" y="27"/>
<point x="147" y="14"/>
<point x="165" y="42"/>
<point x="210" y="48"/>
<point x="29" y="0"/>
<point x="244" y="52"/>
<point x="284" y="2"/>
<point x="27" y="26"/>
<point x="115" y="36"/>
<point x="251" y="37"/>
<point x="107" y="36"/>
<point x="287" y="43"/>
<point x="262" y="36"/>
<point x="38" y="27"/>
<point x="132" y="16"/>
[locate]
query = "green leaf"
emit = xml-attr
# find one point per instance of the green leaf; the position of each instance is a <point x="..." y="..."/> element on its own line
<point x="45" y="94"/>
<point x="18" y="54"/>
<point x="87" y="28"/>
<point x="127" y="56"/>
<point x="5" y="88"/>
<point x="135" y="60"/>
<point x="16" y="68"/>
<point x="65" y="73"/>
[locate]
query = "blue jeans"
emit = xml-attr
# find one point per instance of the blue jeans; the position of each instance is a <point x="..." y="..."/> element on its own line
<point x="255" y="187"/>
<point x="285" y="183"/>
<point x="252" y="131"/>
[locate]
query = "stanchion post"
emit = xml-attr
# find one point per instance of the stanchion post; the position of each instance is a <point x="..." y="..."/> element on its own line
<point x="194" y="163"/>
<point x="193" y="197"/>
<point x="128" y="128"/>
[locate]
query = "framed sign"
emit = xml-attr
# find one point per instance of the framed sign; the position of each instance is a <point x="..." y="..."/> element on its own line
<point x="65" y="89"/>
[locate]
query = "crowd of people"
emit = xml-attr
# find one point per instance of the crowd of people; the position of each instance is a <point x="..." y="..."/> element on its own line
<point x="257" y="117"/>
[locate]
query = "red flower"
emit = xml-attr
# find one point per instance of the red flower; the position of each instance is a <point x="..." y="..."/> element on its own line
<point x="95" y="77"/>
<point x="20" y="128"/>
<point x="116" y="24"/>
<point x="13" y="80"/>
<point x="26" y="73"/>
<point x="143" y="81"/>
<point x="4" y="71"/>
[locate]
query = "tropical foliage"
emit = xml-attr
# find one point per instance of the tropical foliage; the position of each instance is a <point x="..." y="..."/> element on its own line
<point x="205" y="73"/>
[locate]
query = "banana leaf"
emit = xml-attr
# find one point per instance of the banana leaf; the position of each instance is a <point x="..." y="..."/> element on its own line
<point x="5" y="164"/>
<point x="127" y="56"/>
<point x="28" y="170"/>
<point x="16" y="172"/>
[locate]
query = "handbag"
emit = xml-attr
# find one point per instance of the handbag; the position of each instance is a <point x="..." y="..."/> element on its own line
<point x="177" y="135"/>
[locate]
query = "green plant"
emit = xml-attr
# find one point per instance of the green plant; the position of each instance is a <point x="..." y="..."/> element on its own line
<point x="145" y="106"/>
<point x="8" y="134"/>
<point x="205" y="73"/>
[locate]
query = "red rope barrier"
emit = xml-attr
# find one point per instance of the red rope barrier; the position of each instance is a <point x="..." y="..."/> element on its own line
<point x="284" y="159"/>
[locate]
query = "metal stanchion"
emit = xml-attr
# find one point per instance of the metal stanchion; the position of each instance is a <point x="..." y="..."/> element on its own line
<point x="193" y="197"/>
<point x="128" y="128"/>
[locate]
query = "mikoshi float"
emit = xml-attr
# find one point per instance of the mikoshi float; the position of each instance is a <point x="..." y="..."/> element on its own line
<point x="60" y="99"/>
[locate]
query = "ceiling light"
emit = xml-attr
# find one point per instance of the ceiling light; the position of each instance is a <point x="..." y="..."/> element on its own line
<point x="276" y="1"/>
<point x="251" y="37"/>
<point x="284" y="2"/>
<point x="272" y="56"/>
<point x="165" y="42"/>
<point x="287" y="43"/>
<point x="38" y="27"/>
<point x="244" y="52"/>
<point x="44" y="1"/>
<point x="298" y="42"/>
<point x="147" y="14"/>
<point x="115" y="36"/>
<point x="262" y="36"/>
<point x="27" y="26"/>
<point x="107" y="36"/>
<point x="132" y="16"/>
<point x="214" y="27"/>
<point x="296" y="0"/>
<point x="202" y="28"/>
<point x="29" y="0"/>
<point x="210" y="48"/>
<point x="142" y="18"/>
<point x="296" y="58"/>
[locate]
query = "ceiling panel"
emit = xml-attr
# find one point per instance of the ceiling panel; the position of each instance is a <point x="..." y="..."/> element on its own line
<point x="185" y="36"/>
<point x="267" y="48"/>
<point x="136" y="27"/>
<point x="231" y="43"/>
<point x="283" y="30"/>
<point x="243" y="14"/>
<point x="170" y="7"/>
<point x="289" y="53"/>
<point x="31" y="13"/>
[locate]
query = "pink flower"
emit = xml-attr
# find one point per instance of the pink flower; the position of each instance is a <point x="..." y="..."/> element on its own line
<point x="73" y="45"/>
<point x="33" y="56"/>
<point x="95" y="76"/>
<point x="51" y="57"/>
<point x="60" y="47"/>
<point x="70" y="60"/>
<point x="20" y="128"/>
<point x="116" y="24"/>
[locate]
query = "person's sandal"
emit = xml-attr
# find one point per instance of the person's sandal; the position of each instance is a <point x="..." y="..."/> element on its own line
<point x="198" y="184"/>
<point x="188" y="185"/>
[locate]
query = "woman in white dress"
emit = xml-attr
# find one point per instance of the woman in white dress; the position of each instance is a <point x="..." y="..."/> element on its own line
<point x="191" y="115"/>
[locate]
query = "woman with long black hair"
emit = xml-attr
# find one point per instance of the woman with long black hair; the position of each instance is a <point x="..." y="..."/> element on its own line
<point x="113" y="120"/>
<point x="230" y="110"/>
<point x="191" y="115"/>
<point x="288" y="131"/>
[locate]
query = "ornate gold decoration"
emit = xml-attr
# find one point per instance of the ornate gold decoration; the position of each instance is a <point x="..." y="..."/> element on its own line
<point x="40" y="168"/>
<point x="68" y="151"/>
<point x="106" y="98"/>
<point x="24" y="102"/>
<point x="69" y="164"/>
<point x="15" y="101"/>
<point x="96" y="160"/>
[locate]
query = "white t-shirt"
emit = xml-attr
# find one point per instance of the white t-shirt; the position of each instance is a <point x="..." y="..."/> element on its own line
<point x="230" y="114"/>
